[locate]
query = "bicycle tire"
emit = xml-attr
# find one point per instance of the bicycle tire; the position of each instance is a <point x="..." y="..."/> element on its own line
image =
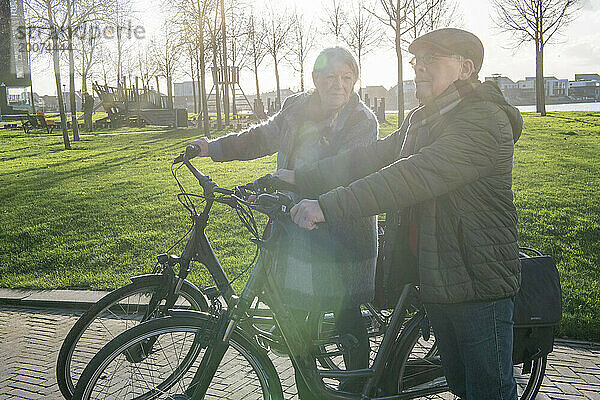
<point x="162" y="375"/>
<point x="78" y="349"/>
<point x="422" y="358"/>
<point x="329" y="355"/>
<point x="534" y="381"/>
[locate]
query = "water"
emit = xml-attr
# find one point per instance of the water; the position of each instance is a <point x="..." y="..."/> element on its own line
<point x="552" y="107"/>
<point x="565" y="107"/>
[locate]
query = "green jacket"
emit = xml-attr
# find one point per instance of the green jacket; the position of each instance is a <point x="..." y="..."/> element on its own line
<point x="457" y="184"/>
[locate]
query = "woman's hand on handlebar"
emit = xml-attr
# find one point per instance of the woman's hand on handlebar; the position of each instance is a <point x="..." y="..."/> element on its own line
<point x="286" y="175"/>
<point x="307" y="214"/>
<point x="202" y="144"/>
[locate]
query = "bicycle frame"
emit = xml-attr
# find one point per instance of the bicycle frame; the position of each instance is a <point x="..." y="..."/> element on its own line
<point x="300" y="350"/>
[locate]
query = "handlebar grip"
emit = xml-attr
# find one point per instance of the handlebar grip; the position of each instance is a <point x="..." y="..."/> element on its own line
<point x="280" y="184"/>
<point x="191" y="151"/>
<point x="272" y="183"/>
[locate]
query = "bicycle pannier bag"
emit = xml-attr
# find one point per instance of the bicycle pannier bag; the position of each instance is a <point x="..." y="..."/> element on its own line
<point x="538" y="309"/>
<point x="396" y="266"/>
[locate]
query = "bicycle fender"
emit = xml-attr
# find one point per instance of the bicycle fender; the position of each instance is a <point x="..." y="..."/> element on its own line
<point x="198" y="294"/>
<point x="143" y="277"/>
<point x="191" y="314"/>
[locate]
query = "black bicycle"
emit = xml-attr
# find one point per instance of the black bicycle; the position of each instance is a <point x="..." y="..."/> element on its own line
<point x="222" y="352"/>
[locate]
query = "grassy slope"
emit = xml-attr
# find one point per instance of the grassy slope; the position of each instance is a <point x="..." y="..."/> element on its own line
<point x="93" y="216"/>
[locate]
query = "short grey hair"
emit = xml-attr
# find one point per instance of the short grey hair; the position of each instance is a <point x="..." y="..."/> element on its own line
<point x="335" y="54"/>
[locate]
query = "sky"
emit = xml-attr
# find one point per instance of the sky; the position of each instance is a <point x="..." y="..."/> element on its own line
<point x="575" y="50"/>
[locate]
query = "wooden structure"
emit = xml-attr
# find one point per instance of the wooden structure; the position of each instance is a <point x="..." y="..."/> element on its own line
<point x="132" y="106"/>
<point x="239" y="101"/>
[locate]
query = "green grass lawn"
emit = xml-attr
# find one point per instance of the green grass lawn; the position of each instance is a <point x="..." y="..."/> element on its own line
<point x="93" y="216"/>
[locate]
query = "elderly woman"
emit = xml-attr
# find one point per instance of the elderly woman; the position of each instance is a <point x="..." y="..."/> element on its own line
<point x="332" y="269"/>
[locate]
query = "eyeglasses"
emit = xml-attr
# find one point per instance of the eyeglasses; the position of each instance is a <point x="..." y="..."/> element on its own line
<point x="429" y="59"/>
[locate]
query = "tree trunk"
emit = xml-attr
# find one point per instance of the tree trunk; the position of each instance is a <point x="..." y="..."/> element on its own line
<point x="216" y="86"/>
<point x="301" y="76"/>
<point x="359" y="77"/>
<point x="170" y="104"/>
<point x="83" y="79"/>
<point x="55" y="59"/>
<point x="277" y="82"/>
<point x="233" y="105"/>
<point x="256" y="79"/>
<point x="400" y="94"/>
<point x="203" y="96"/>
<point x="74" y="124"/>
<point x="193" y="85"/>
<point x="540" y="87"/>
<point x="225" y="71"/>
<point x="202" y="80"/>
<point x="200" y="105"/>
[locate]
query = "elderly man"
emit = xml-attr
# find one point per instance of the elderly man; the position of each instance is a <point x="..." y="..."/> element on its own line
<point x="448" y="173"/>
<point x="328" y="270"/>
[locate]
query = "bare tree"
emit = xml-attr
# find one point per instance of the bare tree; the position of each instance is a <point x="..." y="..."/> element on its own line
<point x="224" y="62"/>
<point x="257" y="48"/>
<point x="237" y="34"/>
<point x="214" y="32"/>
<point x="303" y="41"/>
<point x="167" y="51"/>
<point x="201" y="15"/>
<point x="50" y="16"/>
<point x="335" y="19"/>
<point x="121" y="14"/>
<point x="537" y="21"/>
<point x="88" y="47"/>
<point x="79" y="14"/>
<point x="148" y="63"/>
<point x="439" y="14"/>
<point x="278" y="26"/>
<point x="362" y="35"/>
<point x="408" y="19"/>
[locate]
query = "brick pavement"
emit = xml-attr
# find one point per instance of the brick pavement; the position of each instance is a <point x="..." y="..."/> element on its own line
<point x="31" y="337"/>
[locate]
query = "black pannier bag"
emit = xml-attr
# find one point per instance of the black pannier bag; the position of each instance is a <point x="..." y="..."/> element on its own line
<point x="538" y="308"/>
<point x="391" y="274"/>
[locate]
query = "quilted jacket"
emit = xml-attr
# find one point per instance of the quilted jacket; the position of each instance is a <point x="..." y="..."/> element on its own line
<point x="458" y="185"/>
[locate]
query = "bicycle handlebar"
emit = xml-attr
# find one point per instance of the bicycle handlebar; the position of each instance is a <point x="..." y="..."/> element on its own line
<point x="267" y="201"/>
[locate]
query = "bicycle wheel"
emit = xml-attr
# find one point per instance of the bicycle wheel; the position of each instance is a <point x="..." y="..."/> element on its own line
<point x="420" y="368"/>
<point x="330" y="355"/>
<point x="167" y="369"/>
<point x="116" y="312"/>
<point x="528" y="384"/>
<point x="417" y="363"/>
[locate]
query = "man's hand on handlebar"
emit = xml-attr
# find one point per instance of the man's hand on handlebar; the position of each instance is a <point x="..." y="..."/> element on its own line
<point x="307" y="214"/>
<point x="286" y="175"/>
<point x="202" y="144"/>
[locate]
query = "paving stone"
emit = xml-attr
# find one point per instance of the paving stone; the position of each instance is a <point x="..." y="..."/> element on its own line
<point x="30" y="339"/>
<point x="591" y="395"/>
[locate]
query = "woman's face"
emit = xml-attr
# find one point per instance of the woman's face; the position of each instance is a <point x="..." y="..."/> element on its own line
<point x="334" y="84"/>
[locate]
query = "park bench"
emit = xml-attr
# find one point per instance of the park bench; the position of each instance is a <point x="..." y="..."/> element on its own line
<point x="32" y="122"/>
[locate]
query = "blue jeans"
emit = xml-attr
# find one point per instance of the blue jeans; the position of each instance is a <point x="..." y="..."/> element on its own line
<point x="475" y="342"/>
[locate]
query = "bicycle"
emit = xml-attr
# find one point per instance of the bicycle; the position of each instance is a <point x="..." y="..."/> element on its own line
<point x="146" y="297"/>
<point x="178" y="356"/>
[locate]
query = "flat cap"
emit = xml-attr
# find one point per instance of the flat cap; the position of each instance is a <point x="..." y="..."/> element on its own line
<point x="452" y="41"/>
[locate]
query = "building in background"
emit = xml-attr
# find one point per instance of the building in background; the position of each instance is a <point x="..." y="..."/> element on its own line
<point x="15" y="69"/>
<point x="585" y="87"/>
<point x="410" y="98"/>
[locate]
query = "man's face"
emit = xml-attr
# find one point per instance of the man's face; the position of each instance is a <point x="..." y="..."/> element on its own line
<point x="434" y="73"/>
<point x="334" y="83"/>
